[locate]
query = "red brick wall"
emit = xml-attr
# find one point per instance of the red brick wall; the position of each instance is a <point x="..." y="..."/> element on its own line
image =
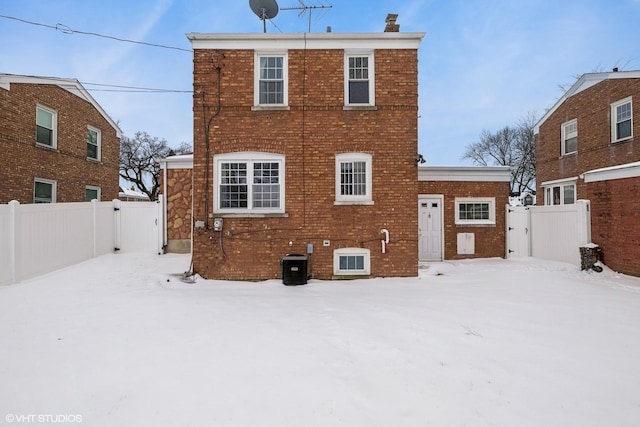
<point x="21" y="161"/>
<point x="309" y="138"/>
<point x="489" y="240"/>
<point x="592" y="109"/>
<point x="614" y="205"/>
<point x="615" y="219"/>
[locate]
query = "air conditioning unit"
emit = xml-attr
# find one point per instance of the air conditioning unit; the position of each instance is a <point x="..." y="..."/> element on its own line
<point x="294" y="269"/>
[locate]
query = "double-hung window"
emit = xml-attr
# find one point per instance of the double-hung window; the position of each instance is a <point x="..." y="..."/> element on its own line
<point x="353" y="178"/>
<point x="94" y="139"/>
<point x="46" y="126"/>
<point x="621" y="120"/>
<point x="359" y="79"/>
<point x="475" y="210"/>
<point x="570" y="137"/>
<point x="271" y="75"/>
<point x="44" y="191"/>
<point x="249" y="183"/>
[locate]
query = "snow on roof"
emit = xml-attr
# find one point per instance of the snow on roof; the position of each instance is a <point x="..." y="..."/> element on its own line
<point x="132" y="193"/>
<point x="628" y="170"/>
<point x="585" y="81"/>
<point x="70" y="85"/>
<point x="181" y="161"/>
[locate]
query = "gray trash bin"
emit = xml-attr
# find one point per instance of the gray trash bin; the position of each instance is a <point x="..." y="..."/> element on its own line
<point x="294" y="269"/>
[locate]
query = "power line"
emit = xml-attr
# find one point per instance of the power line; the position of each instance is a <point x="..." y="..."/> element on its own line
<point x="68" y="30"/>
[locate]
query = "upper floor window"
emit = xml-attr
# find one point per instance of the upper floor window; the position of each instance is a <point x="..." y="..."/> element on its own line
<point x="249" y="183"/>
<point x="46" y="126"/>
<point x="94" y="139"/>
<point x="353" y="178"/>
<point x="44" y="191"/>
<point x="570" y="137"/>
<point x="271" y="73"/>
<point x="621" y="120"/>
<point x="359" y="79"/>
<point x="475" y="210"/>
<point x="561" y="194"/>
<point x="91" y="193"/>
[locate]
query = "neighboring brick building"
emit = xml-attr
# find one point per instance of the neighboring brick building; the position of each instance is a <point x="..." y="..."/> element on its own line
<point x="305" y="143"/>
<point x="56" y="143"/>
<point x="586" y="149"/>
<point x="462" y="212"/>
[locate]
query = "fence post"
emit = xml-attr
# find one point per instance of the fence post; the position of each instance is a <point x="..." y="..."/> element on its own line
<point x="116" y="218"/>
<point x="13" y="239"/>
<point x="160" y="222"/>
<point x="584" y="221"/>
<point x="94" y="221"/>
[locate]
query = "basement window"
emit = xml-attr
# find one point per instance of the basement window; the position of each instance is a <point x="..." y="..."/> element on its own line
<point x="351" y="261"/>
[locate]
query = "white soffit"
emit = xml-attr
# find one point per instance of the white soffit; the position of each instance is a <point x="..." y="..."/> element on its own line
<point x="559" y="181"/>
<point x="629" y="170"/>
<point x="262" y="41"/>
<point x="464" y="173"/>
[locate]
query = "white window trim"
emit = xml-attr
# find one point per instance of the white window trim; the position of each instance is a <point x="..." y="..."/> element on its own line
<point x="99" y="142"/>
<point x="366" y="199"/>
<point x="54" y="188"/>
<point x="614" y="119"/>
<point x="248" y="157"/>
<point x="565" y="136"/>
<point x="492" y="210"/>
<point x="54" y="120"/>
<point x="356" y="252"/>
<point x="548" y="187"/>
<point x="372" y="73"/>
<point x="91" y="187"/>
<point x="256" y="78"/>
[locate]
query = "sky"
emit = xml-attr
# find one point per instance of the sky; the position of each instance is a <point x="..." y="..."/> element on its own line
<point x="483" y="65"/>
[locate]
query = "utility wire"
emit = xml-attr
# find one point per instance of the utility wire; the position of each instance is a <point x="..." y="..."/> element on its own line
<point x="68" y="30"/>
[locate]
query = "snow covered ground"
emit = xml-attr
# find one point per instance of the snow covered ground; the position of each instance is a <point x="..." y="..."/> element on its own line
<point x="121" y="341"/>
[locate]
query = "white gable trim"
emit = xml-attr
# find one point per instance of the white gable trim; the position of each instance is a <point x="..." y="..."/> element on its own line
<point x="585" y="82"/>
<point x="184" y="161"/>
<point x="465" y="173"/>
<point x="70" y="85"/>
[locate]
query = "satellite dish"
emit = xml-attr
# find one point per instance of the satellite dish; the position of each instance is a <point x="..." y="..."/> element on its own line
<point x="264" y="9"/>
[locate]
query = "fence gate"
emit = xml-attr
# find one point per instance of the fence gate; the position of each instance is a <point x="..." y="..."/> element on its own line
<point x="549" y="232"/>
<point x="518" y="236"/>
<point x="138" y="226"/>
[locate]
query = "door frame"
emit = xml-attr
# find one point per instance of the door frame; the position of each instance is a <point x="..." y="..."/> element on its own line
<point x="440" y="197"/>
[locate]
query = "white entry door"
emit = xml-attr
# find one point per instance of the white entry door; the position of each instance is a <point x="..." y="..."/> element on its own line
<point x="430" y="228"/>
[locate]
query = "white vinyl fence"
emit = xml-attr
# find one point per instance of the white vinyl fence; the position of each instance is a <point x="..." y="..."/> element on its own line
<point x="549" y="232"/>
<point x="39" y="238"/>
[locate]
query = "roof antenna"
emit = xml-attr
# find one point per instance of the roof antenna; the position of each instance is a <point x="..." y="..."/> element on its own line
<point x="264" y="9"/>
<point x="303" y="8"/>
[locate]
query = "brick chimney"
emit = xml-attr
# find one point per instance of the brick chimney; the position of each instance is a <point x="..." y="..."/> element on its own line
<point x="392" y="27"/>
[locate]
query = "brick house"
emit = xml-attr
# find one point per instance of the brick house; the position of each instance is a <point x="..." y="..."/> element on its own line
<point x="462" y="212"/>
<point x="585" y="148"/>
<point x="305" y="143"/>
<point x="57" y="143"/>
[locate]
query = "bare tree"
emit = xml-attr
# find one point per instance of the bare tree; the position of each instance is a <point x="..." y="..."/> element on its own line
<point x="138" y="164"/>
<point x="509" y="146"/>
